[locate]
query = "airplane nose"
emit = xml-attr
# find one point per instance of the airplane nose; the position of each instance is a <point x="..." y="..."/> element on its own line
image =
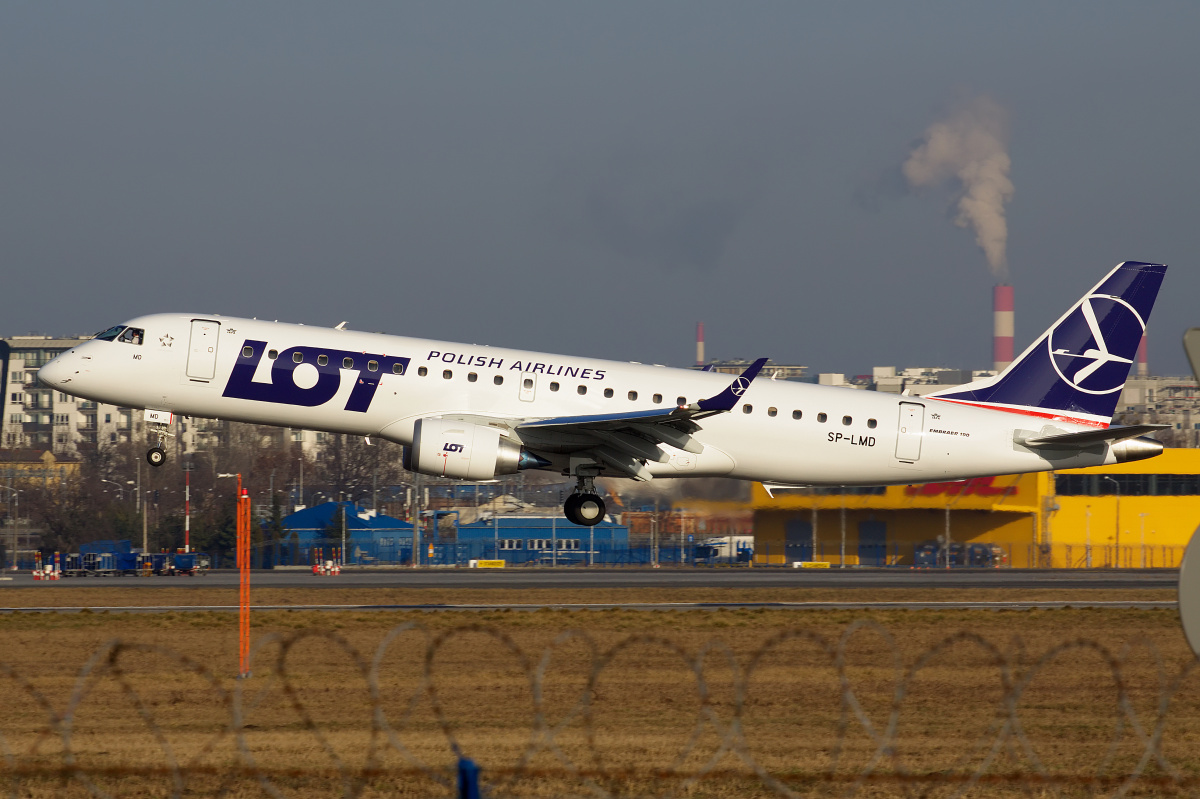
<point x="55" y="373"/>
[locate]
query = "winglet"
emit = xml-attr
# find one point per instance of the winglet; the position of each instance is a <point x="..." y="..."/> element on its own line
<point x="729" y="397"/>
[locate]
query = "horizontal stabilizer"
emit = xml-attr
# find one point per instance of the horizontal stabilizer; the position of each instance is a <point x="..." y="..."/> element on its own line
<point x="1089" y="437"/>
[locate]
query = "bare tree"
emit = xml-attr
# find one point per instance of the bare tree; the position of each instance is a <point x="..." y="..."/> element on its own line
<point x="352" y="468"/>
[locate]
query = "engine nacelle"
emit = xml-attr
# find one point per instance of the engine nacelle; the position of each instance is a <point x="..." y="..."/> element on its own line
<point x="1136" y="449"/>
<point x="470" y="451"/>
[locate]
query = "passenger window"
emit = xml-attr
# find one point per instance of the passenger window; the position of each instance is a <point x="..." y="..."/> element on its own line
<point x="846" y="420"/>
<point x="322" y="360"/>
<point x="681" y="401"/>
<point x="772" y="411"/>
<point x="447" y="374"/>
<point x="797" y="414"/>
<point x="527" y="382"/>
<point x="821" y="418"/>
<point x="298" y="357"/>
<point x="608" y="392"/>
<point x="472" y="377"/>
<point x="554" y="386"/>
<point x="397" y="368"/>
<point x="658" y="399"/>
<point x="422" y="372"/>
<point x="582" y="389"/>
<point x="132" y="335"/>
<point x="372" y="366"/>
<point x="247" y="352"/>
<point x="347" y="363"/>
<point x="272" y="354"/>
<point x="871" y="423"/>
<point x="498" y="380"/>
<point x="632" y="395"/>
<point x="747" y="409"/>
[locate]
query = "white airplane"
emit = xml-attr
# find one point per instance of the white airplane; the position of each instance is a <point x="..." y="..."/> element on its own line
<point x="475" y="412"/>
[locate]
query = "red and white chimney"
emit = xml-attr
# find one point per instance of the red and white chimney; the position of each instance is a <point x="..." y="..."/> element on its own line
<point x="699" y="343"/>
<point x="1002" y="327"/>
<point x="1143" y="369"/>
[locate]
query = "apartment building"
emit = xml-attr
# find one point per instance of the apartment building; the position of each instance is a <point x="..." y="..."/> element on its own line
<point x="37" y="417"/>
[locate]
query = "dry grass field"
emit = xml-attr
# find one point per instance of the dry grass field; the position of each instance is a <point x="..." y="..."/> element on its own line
<point x="742" y="703"/>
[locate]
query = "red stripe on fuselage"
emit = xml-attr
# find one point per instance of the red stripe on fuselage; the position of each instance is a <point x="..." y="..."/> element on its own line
<point x="1057" y="417"/>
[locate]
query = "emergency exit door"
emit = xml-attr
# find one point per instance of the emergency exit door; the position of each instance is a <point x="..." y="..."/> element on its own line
<point x="202" y="349"/>
<point x="910" y="431"/>
<point x="528" y="386"/>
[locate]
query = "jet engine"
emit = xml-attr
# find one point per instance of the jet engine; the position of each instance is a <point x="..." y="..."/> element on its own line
<point x="448" y="448"/>
<point x="1136" y="449"/>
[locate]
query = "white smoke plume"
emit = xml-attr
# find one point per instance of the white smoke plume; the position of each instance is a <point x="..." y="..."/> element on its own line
<point x="970" y="147"/>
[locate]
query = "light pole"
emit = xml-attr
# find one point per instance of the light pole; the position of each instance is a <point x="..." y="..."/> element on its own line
<point x="1117" y="540"/>
<point x="842" y="555"/>
<point x="1087" y="536"/>
<point x="1143" y="520"/>
<point x="17" y="494"/>
<point x="187" y="505"/>
<point x="237" y="497"/>
<point x="120" y="487"/>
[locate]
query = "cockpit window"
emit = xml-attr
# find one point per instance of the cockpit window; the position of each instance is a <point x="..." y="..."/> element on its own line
<point x="110" y="334"/>
<point x="132" y="335"/>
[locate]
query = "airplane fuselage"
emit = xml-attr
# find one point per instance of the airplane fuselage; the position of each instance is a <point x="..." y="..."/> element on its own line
<point x="380" y="385"/>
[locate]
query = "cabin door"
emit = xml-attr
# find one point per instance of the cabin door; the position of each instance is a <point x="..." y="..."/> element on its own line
<point x="910" y="431"/>
<point x="202" y="349"/>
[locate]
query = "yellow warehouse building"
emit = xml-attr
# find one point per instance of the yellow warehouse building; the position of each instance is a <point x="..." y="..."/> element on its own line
<point x="1133" y="515"/>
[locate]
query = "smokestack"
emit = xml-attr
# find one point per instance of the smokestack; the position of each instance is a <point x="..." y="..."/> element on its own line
<point x="1002" y="327"/>
<point x="1143" y="369"/>
<point x="699" y="343"/>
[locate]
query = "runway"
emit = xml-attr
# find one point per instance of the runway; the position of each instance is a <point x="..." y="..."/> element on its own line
<point x="574" y="577"/>
<point x="636" y="606"/>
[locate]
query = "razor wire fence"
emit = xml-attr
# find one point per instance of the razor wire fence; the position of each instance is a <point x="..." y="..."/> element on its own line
<point x="143" y="720"/>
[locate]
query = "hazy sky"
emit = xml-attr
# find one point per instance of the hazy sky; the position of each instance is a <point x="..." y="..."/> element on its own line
<point x="595" y="179"/>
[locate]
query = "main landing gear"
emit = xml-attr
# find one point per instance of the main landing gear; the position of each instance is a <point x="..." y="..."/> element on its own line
<point x="584" y="507"/>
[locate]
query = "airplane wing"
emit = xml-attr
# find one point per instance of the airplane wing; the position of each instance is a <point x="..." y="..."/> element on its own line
<point x="1089" y="437"/>
<point x="624" y="441"/>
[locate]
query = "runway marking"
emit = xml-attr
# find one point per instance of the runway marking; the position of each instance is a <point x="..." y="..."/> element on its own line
<point x="1032" y="605"/>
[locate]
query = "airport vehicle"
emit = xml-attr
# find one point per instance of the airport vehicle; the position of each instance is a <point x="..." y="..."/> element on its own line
<point x="475" y="412"/>
<point x="725" y="549"/>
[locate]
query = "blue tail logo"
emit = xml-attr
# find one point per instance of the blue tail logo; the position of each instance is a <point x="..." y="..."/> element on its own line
<point x="1079" y="346"/>
<point x="1075" y="370"/>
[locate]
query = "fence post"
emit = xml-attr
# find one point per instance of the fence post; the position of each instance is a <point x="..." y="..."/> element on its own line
<point x="468" y="779"/>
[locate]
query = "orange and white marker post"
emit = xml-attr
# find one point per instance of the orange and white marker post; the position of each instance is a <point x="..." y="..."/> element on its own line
<point x="243" y="564"/>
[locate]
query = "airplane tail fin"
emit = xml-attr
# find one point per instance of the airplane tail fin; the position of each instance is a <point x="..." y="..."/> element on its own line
<point x="1074" y="372"/>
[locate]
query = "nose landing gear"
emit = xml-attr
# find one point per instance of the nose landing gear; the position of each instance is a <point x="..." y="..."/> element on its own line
<point x="157" y="456"/>
<point x="584" y="507"/>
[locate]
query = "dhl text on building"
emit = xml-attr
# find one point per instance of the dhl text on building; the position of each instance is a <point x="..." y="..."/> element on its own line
<point x="1134" y="515"/>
